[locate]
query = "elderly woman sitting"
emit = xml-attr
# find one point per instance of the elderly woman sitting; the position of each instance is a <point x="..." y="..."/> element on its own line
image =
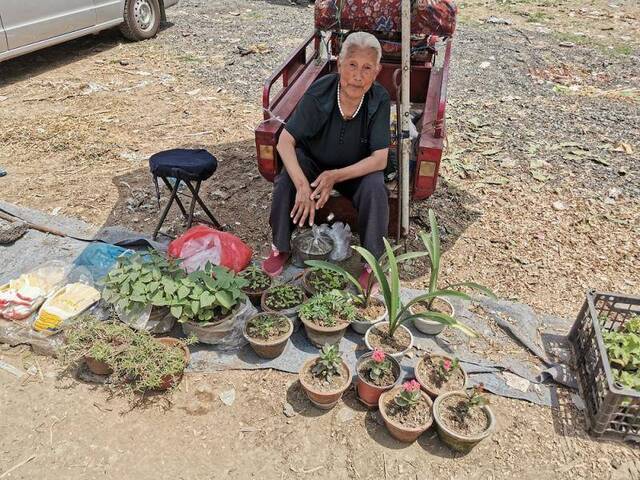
<point x="337" y="138"/>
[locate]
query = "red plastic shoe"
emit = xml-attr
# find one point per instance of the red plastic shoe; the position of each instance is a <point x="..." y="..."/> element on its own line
<point x="274" y="264"/>
<point x="364" y="277"/>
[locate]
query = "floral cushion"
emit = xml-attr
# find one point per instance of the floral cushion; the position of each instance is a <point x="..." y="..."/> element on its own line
<point x="428" y="17"/>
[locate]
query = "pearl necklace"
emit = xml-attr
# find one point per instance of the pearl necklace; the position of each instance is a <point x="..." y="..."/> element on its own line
<point x="340" y="107"/>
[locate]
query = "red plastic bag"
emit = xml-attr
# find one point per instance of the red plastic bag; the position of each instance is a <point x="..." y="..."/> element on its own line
<point x="202" y="244"/>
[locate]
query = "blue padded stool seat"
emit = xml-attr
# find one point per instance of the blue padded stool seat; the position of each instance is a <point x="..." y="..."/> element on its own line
<point x="185" y="166"/>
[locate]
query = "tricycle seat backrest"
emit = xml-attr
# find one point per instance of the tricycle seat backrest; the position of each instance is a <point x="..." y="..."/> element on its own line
<point x="383" y="17"/>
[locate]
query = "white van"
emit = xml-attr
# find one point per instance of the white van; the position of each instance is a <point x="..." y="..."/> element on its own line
<point x="28" y="25"/>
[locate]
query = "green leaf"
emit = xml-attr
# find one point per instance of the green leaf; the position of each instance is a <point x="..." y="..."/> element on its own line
<point x="377" y="271"/>
<point x="195" y="307"/>
<point x="410" y="255"/>
<point x="475" y="286"/>
<point x="224" y="299"/>
<point x="446" y="320"/>
<point x="183" y="292"/>
<point x="206" y="300"/>
<point x="176" y="311"/>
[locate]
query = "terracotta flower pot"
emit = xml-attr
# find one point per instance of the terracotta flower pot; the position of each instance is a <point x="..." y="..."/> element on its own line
<point x="97" y="367"/>
<point x="268" y="348"/>
<point x="369" y="393"/>
<point x="431" y="327"/>
<point x="169" y="381"/>
<point x="397" y="355"/>
<point x="398" y="431"/>
<point x="427" y="385"/>
<point x="291" y="313"/>
<point x="321" y="399"/>
<point x="319" y="335"/>
<point x="457" y="441"/>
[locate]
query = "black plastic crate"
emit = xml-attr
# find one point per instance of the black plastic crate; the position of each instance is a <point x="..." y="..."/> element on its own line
<point x="612" y="410"/>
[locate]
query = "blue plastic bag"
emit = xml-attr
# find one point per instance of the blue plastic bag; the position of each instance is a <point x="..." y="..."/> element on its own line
<point x="99" y="258"/>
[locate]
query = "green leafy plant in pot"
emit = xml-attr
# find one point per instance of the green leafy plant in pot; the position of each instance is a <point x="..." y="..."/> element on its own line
<point x="206" y="301"/>
<point x="432" y="312"/>
<point x="258" y="280"/>
<point x="152" y="363"/>
<point x="326" y="317"/>
<point x="139" y="282"/>
<point x="391" y="336"/>
<point x="370" y="310"/>
<point x="325" y="378"/>
<point x="406" y="411"/>
<point x="268" y="333"/>
<point x="320" y="280"/>
<point x="285" y="299"/>
<point x="463" y="418"/>
<point x="96" y="343"/>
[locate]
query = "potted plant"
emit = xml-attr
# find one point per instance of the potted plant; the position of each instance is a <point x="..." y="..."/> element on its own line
<point x="258" y="280"/>
<point x="463" y="418"/>
<point x="320" y="280"/>
<point x="268" y="333"/>
<point x="96" y="343"/>
<point x="285" y="299"/>
<point x="139" y="281"/>
<point x="391" y="336"/>
<point x="326" y="317"/>
<point x="429" y="313"/>
<point x="370" y="310"/>
<point x="206" y="302"/>
<point x="377" y="373"/>
<point x="152" y="364"/>
<point x="325" y="378"/>
<point x="406" y="411"/>
<point x="438" y="374"/>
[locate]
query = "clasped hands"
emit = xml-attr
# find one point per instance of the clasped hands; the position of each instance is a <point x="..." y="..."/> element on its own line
<point x="308" y="201"/>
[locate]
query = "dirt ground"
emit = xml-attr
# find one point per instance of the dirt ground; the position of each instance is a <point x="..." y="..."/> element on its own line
<point x="538" y="199"/>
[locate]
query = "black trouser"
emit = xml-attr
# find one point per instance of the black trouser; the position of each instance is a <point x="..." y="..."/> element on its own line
<point x="368" y="195"/>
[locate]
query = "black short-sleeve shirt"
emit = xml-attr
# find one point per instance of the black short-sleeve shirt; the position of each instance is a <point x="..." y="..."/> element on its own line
<point x="318" y="126"/>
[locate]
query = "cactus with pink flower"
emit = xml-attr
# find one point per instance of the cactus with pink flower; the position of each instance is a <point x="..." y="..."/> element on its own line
<point x="409" y="394"/>
<point x="445" y="368"/>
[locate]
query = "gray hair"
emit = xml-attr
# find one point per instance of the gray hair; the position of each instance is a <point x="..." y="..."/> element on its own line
<point x="361" y="40"/>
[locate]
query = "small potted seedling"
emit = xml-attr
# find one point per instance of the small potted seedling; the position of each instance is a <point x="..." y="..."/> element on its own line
<point x="377" y="373"/>
<point x="433" y="312"/>
<point x="326" y="317"/>
<point x="96" y="343"/>
<point x="320" y="280"/>
<point x="258" y="280"/>
<point x="206" y="303"/>
<point x="463" y="418"/>
<point x="285" y="299"/>
<point x="438" y="374"/>
<point x="325" y="378"/>
<point x="406" y="411"/>
<point x="268" y="333"/>
<point x="141" y="280"/>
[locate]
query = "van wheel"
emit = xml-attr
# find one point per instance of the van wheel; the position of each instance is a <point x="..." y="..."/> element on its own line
<point x="141" y="19"/>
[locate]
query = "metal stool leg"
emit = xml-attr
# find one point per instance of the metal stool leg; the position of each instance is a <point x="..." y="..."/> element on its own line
<point x="178" y="201"/>
<point x="197" y="198"/>
<point x="174" y="194"/>
<point x="193" y="201"/>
